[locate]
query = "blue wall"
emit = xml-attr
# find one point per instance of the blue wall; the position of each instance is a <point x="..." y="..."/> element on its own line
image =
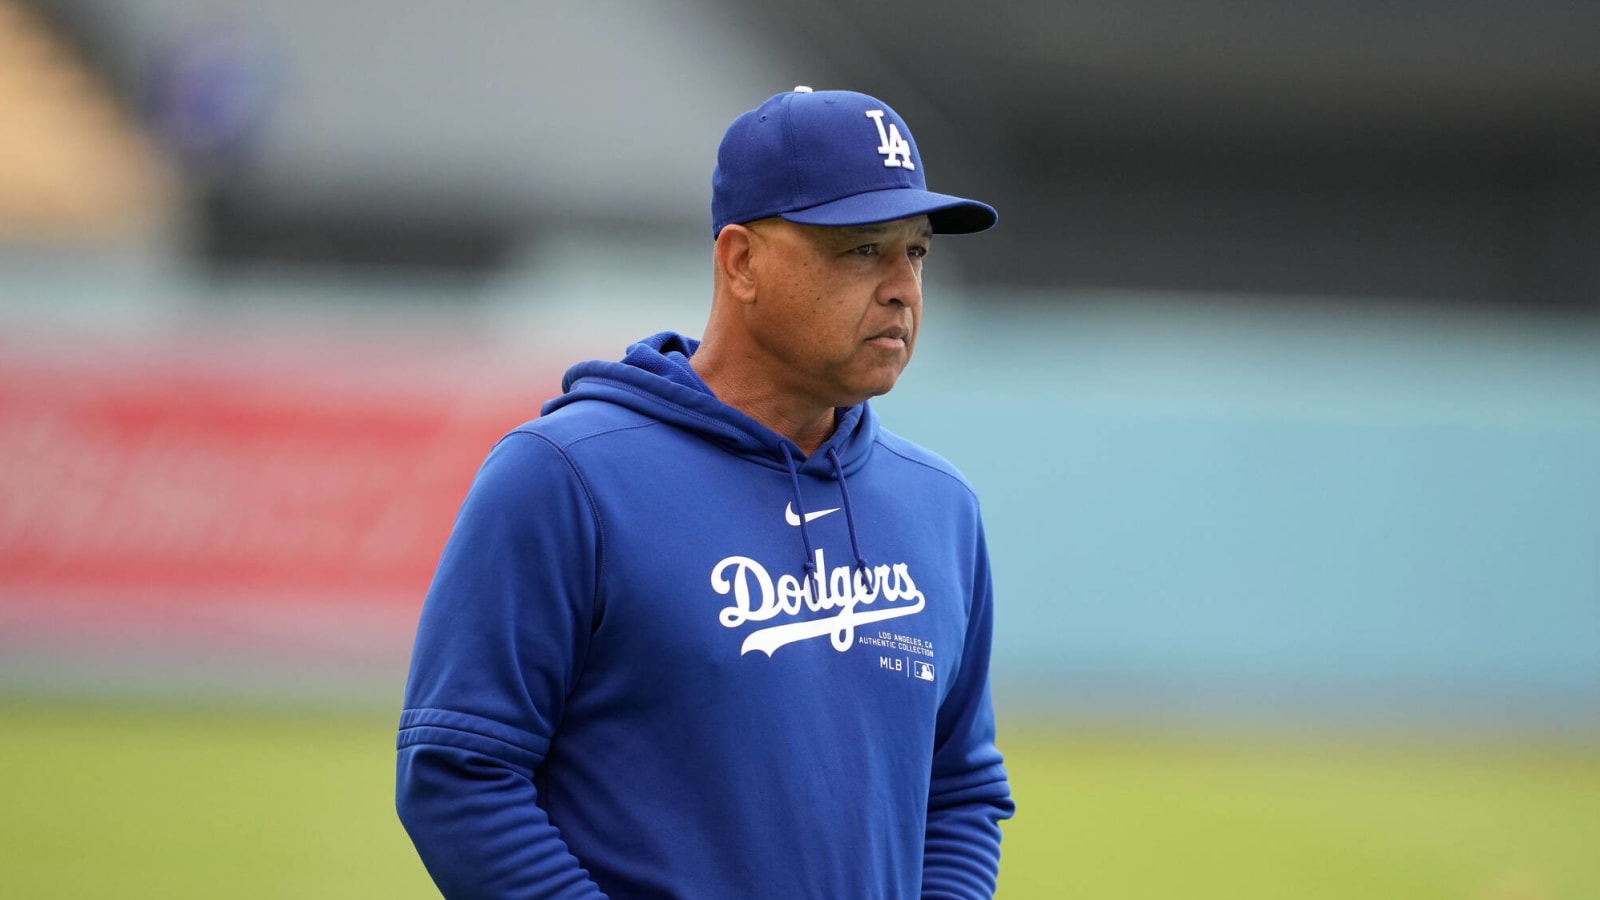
<point x="1280" y="509"/>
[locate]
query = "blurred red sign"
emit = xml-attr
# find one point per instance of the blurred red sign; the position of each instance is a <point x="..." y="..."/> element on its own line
<point x="279" y="470"/>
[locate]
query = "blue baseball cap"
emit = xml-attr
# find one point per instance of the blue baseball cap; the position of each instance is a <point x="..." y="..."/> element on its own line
<point x="829" y="158"/>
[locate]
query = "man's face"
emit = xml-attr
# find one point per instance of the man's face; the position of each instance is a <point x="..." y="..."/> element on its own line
<point x="837" y="309"/>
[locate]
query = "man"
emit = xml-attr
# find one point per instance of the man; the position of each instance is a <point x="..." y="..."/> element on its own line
<point x="705" y="630"/>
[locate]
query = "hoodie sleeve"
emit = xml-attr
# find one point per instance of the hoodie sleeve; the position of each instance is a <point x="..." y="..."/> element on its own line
<point x="969" y="793"/>
<point x="501" y="640"/>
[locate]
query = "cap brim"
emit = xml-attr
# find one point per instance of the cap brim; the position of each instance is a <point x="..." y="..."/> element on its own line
<point x="947" y="214"/>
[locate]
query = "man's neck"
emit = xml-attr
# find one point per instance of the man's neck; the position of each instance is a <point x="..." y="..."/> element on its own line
<point x="807" y="424"/>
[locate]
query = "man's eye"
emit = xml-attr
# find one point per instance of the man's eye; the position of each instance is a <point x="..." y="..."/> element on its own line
<point x="866" y="250"/>
<point x="918" y="252"/>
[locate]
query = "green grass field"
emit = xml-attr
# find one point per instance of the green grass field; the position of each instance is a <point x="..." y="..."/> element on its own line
<point x="138" y="801"/>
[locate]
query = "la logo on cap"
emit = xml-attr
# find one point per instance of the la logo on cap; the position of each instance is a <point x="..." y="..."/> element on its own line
<point x="895" y="149"/>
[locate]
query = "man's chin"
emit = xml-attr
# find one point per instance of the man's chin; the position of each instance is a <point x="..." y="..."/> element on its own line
<point x="881" y="387"/>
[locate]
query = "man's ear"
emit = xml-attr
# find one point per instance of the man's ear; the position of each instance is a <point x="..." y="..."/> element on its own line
<point x="734" y="255"/>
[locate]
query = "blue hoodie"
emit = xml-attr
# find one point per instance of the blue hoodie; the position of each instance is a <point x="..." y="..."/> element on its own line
<point x="667" y="655"/>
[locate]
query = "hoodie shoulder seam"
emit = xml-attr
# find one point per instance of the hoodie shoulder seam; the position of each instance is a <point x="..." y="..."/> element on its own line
<point x="596" y="610"/>
<point x="608" y="431"/>
<point x="534" y="428"/>
<point x="953" y="476"/>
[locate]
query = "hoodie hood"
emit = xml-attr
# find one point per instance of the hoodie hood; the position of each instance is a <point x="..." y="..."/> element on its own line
<point x="655" y="379"/>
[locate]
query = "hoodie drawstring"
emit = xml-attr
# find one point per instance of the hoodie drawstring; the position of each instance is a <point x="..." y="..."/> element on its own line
<point x="799" y="509"/>
<point x="849" y="518"/>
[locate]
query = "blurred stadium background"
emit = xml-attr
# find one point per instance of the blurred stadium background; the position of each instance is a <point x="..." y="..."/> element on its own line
<point x="1280" y="381"/>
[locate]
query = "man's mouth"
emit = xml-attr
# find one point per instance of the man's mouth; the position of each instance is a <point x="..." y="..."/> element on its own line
<point x="895" y="335"/>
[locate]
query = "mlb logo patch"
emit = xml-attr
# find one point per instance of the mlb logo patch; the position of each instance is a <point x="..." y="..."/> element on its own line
<point x="922" y="670"/>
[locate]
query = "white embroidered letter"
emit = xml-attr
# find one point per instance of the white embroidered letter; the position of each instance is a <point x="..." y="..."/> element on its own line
<point x="896" y="150"/>
<point x="744" y="609"/>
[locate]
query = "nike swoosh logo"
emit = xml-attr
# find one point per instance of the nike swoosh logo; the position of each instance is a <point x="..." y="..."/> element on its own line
<point x="792" y="519"/>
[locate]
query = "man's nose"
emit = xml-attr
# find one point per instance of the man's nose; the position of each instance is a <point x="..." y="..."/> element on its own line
<point x="903" y="283"/>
